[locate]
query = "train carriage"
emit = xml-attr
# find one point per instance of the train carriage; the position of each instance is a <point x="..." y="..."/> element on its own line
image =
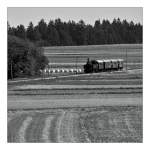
<point x="115" y="64"/>
<point x="120" y="62"/>
<point x="100" y="65"/>
<point x="103" y="65"/>
<point x="107" y="65"/>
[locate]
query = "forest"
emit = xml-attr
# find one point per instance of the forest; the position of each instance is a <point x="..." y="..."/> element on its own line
<point x="71" y="33"/>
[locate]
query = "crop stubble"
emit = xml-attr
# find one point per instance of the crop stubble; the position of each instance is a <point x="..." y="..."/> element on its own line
<point x="101" y="124"/>
<point x="117" y="118"/>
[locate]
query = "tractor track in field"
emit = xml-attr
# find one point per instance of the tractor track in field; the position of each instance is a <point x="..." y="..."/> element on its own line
<point x="34" y="130"/>
<point x="45" y="133"/>
<point x="103" y="124"/>
<point x="23" y="128"/>
<point x="13" y="128"/>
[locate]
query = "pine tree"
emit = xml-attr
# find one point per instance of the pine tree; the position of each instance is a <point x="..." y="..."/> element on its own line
<point x="30" y="32"/>
<point x="20" y="31"/>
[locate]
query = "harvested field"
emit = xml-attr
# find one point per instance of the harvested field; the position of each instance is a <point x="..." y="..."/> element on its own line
<point x="116" y="88"/>
<point x="45" y="111"/>
<point x="98" y="124"/>
<point x="98" y="107"/>
<point x="68" y="56"/>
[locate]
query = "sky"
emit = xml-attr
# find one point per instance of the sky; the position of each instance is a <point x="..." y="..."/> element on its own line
<point x="23" y="15"/>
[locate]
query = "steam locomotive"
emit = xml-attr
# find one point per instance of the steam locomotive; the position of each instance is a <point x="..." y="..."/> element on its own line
<point x="103" y="65"/>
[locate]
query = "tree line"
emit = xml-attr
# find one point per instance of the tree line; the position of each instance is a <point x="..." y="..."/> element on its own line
<point x="59" y="33"/>
<point x="26" y="55"/>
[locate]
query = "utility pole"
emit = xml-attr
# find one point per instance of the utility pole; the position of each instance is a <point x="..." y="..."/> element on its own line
<point x="11" y="68"/>
<point x="76" y="64"/>
<point x="126" y="59"/>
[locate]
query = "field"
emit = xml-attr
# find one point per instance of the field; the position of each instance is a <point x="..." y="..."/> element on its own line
<point x="71" y="55"/>
<point x="99" y="124"/>
<point x="100" y="107"/>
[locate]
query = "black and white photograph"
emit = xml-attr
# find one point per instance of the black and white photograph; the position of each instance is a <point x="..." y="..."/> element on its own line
<point x="74" y="74"/>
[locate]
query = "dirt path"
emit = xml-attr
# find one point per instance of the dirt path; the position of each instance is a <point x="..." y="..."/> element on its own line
<point x="35" y="102"/>
<point x="30" y="87"/>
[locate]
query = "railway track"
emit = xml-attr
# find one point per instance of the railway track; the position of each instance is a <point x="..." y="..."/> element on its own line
<point x="129" y="71"/>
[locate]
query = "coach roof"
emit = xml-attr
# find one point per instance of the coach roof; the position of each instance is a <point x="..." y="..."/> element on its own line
<point x="109" y="60"/>
<point x="100" y="61"/>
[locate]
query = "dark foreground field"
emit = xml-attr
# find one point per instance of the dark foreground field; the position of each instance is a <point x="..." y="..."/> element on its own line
<point x="102" y="107"/>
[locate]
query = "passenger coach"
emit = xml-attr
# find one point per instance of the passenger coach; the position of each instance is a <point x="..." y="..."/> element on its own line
<point x="103" y="65"/>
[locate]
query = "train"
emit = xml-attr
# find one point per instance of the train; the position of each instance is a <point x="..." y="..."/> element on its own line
<point x="94" y="66"/>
